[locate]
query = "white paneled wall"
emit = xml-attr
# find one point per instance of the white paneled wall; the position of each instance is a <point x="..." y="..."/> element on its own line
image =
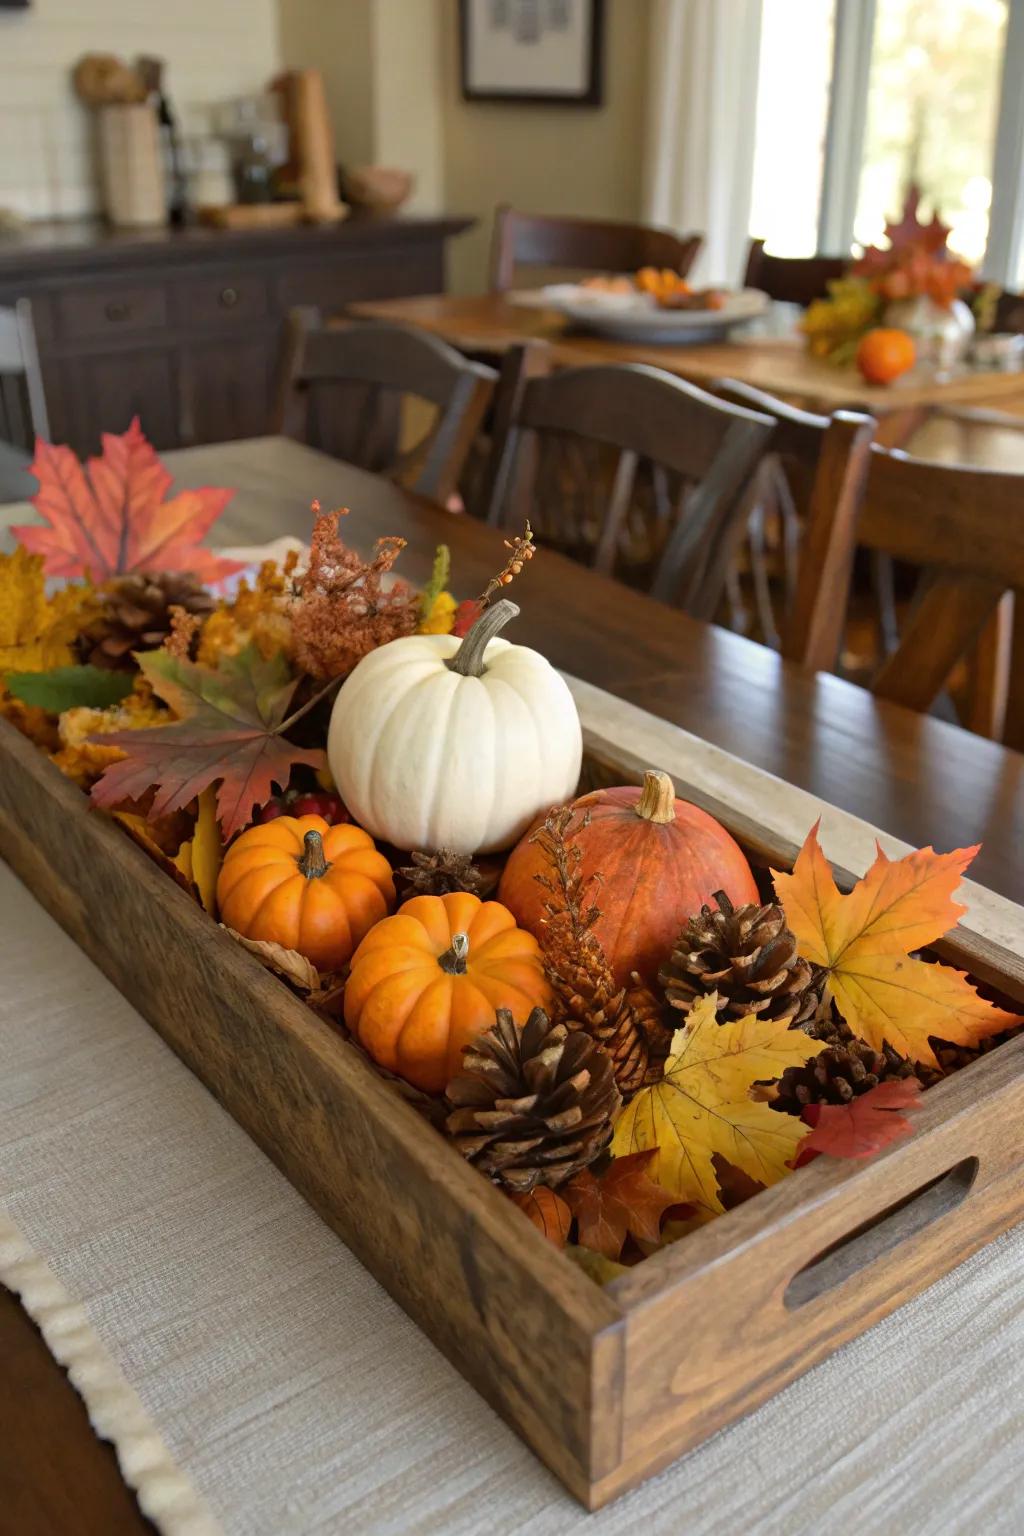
<point x="214" y="50"/>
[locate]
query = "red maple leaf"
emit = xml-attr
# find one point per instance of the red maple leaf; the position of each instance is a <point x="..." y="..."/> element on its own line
<point x="110" y="517"/>
<point x="862" y="1127"/>
<point x="622" y="1200"/>
<point x="466" y="615"/>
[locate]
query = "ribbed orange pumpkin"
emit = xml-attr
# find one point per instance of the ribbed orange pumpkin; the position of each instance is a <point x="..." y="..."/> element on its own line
<point x="312" y="887"/>
<point x="429" y="980"/>
<point x="660" y="859"/>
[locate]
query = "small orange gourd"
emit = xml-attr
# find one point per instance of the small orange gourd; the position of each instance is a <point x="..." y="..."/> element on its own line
<point x="429" y="981"/>
<point x="312" y="887"/>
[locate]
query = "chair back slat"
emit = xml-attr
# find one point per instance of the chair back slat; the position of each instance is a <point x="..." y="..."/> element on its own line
<point x="628" y="469"/>
<point x="792" y="279"/>
<point x="342" y="389"/>
<point x="944" y="624"/>
<point x="23" y="414"/>
<point x="582" y="245"/>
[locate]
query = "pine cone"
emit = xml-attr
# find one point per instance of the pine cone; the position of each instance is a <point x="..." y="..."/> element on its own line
<point x="588" y="1000"/>
<point x="749" y="957"/>
<point x="843" y="1071"/>
<point x="532" y="1107"/>
<point x="137" y="615"/>
<point x="440" y="873"/>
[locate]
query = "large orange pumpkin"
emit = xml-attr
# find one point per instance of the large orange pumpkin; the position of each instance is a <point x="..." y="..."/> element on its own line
<point x="429" y="981"/>
<point x="660" y="859"/>
<point x="312" y="887"/>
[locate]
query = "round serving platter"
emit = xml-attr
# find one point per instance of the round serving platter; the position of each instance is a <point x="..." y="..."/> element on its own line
<point x="636" y="316"/>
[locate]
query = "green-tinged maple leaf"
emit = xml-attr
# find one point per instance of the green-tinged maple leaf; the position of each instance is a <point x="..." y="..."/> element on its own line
<point x="229" y="731"/>
<point x="600" y="1269"/>
<point x="863" y="941"/>
<point x="110" y="517"/>
<point x="70" y="688"/>
<point x="703" y="1105"/>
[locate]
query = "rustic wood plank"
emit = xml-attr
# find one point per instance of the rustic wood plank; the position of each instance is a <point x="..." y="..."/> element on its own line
<point x="496" y="1298"/>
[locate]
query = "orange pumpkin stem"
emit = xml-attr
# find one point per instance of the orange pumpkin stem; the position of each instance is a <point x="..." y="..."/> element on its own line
<point x="658" y="799"/>
<point x="312" y="863"/>
<point x="468" y="660"/>
<point x="453" y="961"/>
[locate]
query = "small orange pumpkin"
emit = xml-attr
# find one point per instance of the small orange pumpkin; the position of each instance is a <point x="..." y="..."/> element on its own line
<point x="429" y="981"/>
<point x="298" y="882"/>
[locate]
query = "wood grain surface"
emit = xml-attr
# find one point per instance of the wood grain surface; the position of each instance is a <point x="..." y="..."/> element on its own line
<point x="780" y="365"/>
<point x="902" y="772"/>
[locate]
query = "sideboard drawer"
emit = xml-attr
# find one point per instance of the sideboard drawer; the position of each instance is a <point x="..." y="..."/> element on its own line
<point x="214" y="301"/>
<point x="111" y="310"/>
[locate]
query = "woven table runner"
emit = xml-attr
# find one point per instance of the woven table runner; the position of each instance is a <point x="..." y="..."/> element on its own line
<point x="257" y="1381"/>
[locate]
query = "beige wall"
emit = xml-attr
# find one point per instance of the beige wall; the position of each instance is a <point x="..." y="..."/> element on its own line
<point x="576" y="160"/>
<point x="336" y="36"/>
<point x="215" y="49"/>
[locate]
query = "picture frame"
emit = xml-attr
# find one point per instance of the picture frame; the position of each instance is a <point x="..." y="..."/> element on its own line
<point x="550" y="52"/>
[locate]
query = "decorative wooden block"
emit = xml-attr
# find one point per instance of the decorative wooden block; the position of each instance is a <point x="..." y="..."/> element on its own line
<point x="610" y="1385"/>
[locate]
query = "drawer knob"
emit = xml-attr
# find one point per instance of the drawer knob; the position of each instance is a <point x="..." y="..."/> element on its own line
<point x="228" y="298"/>
<point x="116" y="309"/>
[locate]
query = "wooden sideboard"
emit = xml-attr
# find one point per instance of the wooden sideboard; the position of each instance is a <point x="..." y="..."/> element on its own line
<point x="183" y="328"/>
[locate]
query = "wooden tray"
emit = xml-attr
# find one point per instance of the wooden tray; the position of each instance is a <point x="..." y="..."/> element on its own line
<point x="610" y="1385"/>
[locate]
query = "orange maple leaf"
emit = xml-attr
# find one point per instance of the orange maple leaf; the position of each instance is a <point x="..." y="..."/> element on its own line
<point x="548" y="1212"/>
<point x="622" y="1200"/>
<point x="110" y="517"/>
<point x="864" y="940"/>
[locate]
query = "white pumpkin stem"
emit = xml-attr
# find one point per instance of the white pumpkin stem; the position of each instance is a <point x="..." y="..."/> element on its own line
<point x="312" y="863"/>
<point x="468" y="660"/>
<point x="453" y="961"/>
<point x="658" y="798"/>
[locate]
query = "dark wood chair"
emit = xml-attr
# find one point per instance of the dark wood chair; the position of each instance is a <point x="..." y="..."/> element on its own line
<point x="581" y="245"/>
<point x="960" y="528"/>
<point x="627" y="469"/>
<point x="342" y="390"/>
<point x="22" y="401"/>
<point x="791" y="279"/>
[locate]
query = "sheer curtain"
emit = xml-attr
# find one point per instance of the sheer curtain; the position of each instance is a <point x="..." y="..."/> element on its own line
<point x="700" y="130"/>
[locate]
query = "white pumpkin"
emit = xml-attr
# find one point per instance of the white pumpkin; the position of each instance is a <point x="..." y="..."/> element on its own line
<point x="441" y="743"/>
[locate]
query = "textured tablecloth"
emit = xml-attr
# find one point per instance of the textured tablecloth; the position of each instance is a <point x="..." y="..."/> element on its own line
<point x="297" y="1398"/>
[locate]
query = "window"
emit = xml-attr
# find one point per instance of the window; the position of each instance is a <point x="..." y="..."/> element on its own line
<point x="794" y="73"/>
<point x="859" y="98"/>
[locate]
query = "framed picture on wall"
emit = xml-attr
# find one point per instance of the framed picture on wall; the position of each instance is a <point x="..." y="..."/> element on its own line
<point x="532" y="50"/>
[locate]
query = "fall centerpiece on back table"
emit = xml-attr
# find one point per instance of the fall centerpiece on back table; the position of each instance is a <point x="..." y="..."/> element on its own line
<point x="590" y="992"/>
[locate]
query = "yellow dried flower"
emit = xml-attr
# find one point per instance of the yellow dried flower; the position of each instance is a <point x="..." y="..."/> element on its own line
<point x="258" y="615"/>
<point x="441" y="617"/>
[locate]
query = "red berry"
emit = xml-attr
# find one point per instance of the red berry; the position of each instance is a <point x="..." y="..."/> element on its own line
<point x="323" y="804"/>
<point x="270" y="811"/>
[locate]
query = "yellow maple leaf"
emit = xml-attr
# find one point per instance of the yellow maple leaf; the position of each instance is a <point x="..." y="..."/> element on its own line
<point x="863" y="941"/>
<point x="703" y="1105"/>
<point x="199" y="859"/>
<point x="36" y="631"/>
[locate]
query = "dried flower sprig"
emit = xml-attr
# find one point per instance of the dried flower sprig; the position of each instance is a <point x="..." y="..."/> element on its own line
<point x="521" y="549"/>
<point x="342" y="611"/>
<point x="587" y="996"/>
<point x="184" y="628"/>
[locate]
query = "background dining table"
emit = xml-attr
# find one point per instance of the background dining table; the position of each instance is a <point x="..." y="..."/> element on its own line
<point x="918" y="778"/>
<point x="779" y="364"/>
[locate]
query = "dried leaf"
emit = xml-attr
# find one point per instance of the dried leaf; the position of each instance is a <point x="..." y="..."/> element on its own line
<point x="229" y="731"/>
<point x="111" y="517"/>
<point x="703" y="1105"/>
<point x="622" y="1200"/>
<point x="200" y="858"/>
<point x="36" y="632"/>
<point x="343" y="611"/>
<point x="600" y="1269"/>
<point x="865" y="1125"/>
<point x="466" y="615"/>
<point x="70" y="688"/>
<point x="141" y="832"/>
<point x="284" y="962"/>
<point x="863" y="941"/>
<point x="548" y="1212"/>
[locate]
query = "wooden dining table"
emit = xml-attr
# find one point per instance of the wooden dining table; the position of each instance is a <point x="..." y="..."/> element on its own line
<point x="778" y="364"/>
<point x="926" y="781"/>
